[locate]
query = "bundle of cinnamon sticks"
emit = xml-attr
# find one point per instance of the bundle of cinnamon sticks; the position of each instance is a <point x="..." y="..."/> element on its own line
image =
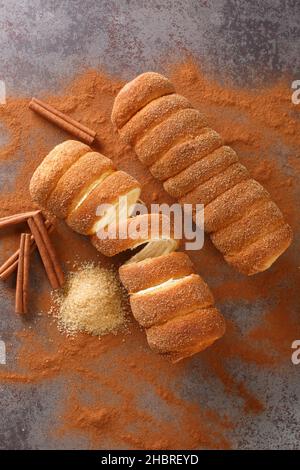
<point x="20" y="260"/>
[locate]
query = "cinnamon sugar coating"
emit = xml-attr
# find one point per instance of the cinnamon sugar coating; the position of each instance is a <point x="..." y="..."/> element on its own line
<point x="151" y="115"/>
<point x="261" y="219"/>
<point x="217" y="185"/>
<point x="201" y="171"/>
<point x="137" y="93"/>
<point x="153" y="271"/>
<point x="52" y="168"/>
<point x="186" y="335"/>
<point x="179" y="127"/>
<point x="167" y="301"/>
<point x="113" y="244"/>
<point x="261" y="254"/>
<point x="208" y="175"/>
<point x="185" y="154"/>
<point x="115" y="185"/>
<point x="75" y="181"/>
<point x="233" y="204"/>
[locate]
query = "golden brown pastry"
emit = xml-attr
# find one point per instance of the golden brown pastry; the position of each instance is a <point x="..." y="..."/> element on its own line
<point x="260" y="255"/>
<point x="196" y="168"/>
<point x="264" y="217"/>
<point x="162" y="302"/>
<point x="175" y="160"/>
<point x="163" y="283"/>
<point x="153" y="271"/>
<point x="231" y="205"/>
<point x="53" y="167"/>
<point x="172" y="131"/>
<point x="80" y="179"/>
<point x="173" y="303"/>
<point x="186" y="335"/>
<point x="200" y="172"/>
<point x="84" y="219"/>
<point x="72" y="182"/>
<point x="134" y="232"/>
<point x="216" y="185"/>
<point x="142" y="90"/>
<point x="151" y="114"/>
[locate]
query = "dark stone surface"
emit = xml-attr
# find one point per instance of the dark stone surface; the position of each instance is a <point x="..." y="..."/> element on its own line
<point x="45" y="43"/>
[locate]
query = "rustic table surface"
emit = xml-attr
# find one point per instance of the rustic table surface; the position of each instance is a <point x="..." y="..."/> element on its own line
<point x="44" y="43"/>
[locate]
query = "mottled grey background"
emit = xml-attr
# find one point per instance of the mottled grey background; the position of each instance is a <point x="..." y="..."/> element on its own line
<point x="43" y="43"/>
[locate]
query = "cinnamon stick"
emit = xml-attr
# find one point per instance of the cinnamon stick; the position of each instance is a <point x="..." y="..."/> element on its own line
<point x="67" y="118"/>
<point x="63" y="121"/>
<point x="54" y="282"/>
<point x="19" y="285"/>
<point x="26" y="263"/>
<point x="11" y="264"/>
<point x="11" y="269"/>
<point x="38" y="218"/>
<point x="16" y="218"/>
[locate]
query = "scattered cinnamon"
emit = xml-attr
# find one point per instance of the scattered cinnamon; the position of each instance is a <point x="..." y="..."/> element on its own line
<point x="45" y="247"/>
<point x="250" y="121"/>
<point x="23" y="275"/>
<point x="63" y="121"/>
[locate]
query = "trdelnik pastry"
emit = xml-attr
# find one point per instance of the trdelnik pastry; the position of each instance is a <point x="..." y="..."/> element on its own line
<point x="168" y="299"/>
<point x="173" y="139"/>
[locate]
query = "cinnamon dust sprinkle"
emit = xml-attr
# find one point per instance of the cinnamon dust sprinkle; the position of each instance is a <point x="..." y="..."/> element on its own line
<point x="104" y="403"/>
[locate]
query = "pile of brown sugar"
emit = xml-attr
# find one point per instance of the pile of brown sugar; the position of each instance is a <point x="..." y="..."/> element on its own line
<point x="92" y="301"/>
<point x="260" y="125"/>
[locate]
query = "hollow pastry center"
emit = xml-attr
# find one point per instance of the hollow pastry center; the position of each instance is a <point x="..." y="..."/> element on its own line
<point x="163" y="285"/>
<point x="87" y="191"/>
<point x="118" y="210"/>
<point x="153" y="249"/>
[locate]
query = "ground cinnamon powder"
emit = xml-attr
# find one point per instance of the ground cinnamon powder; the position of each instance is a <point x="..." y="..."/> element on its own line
<point x="104" y="403"/>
